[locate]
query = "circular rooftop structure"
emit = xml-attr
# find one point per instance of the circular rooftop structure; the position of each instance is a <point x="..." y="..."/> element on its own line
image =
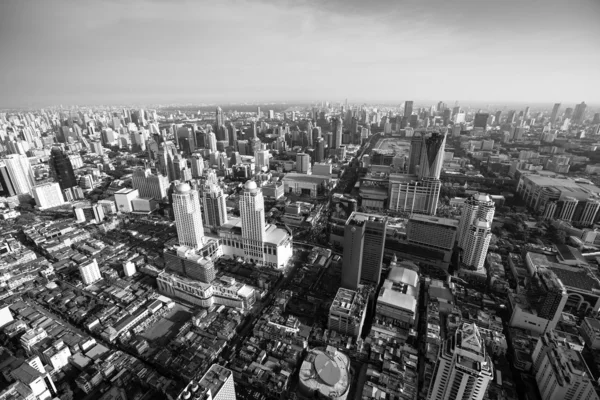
<point x="183" y="188"/>
<point x="327" y="370"/>
<point x="250" y="185"/>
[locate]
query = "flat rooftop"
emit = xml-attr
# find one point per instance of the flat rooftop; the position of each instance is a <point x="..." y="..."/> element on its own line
<point x="434" y="220"/>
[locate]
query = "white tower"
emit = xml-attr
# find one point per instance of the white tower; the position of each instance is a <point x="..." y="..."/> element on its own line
<point x="463" y="370"/>
<point x="478" y="206"/>
<point x="252" y="212"/>
<point x="188" y="216"/>
<point x="476" y="242"/>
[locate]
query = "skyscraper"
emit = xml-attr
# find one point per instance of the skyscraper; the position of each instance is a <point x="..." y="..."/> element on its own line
<point x="432" y="155"/>
<point x="476" y="241"/>
<point x="364" y="240"/>
<point x="219" y="118"/>
<point x="211" y="141"/>
<point x="261" y="159"/>
<point x="554" y="113"/>
<point x="188" y="216"/>
<point x="481" y="120"/>
<point x="215" y="209"/>
<point x="408" y="108"/>
<point x="303" y="163"/>
<point x="197" y="162"/>
<point x="61" y="168"/>
<point x="414" y="161"/>
<point x="337" y="132"/>
<point x="252" y="213"/>
<point x="579" y="113"/>
<point x="150" y="185"/>
<point x="16" y="176"/>
<point x="463" y="370"/>
<point x="478" y="206"/>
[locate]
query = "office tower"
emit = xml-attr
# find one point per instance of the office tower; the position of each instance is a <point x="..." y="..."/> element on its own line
<point x="408" y="108"/>
<point x="197" y="162"/>
<point x="16" y="175"/>
<point x="347" y="312"/>
<point x="319" y="150"/>
<point x="210" y="140"/>
<point x="219" y="119"/>
<point x="258" y="113"/>
<point x="561" y="372"/>
<point x="481" y="120"/>
<point x="188" y="216"/>
<point x="497" y="118"/>
<point x="303" y="163"/>
<point x="510" y="117"/>
<point x="568" y="113"/>
<point x="414" y="161"/>
<point x="477" y="207"/>
<point x="252" y="213"/>
<point x="409" y="195"/>
<point x="215" y="209"/>
<point x="61" y="168"/>
<point x="476" y="241"/>
<point x="150" y="185"/>
<point x="271" y="114"/>
<point x="554" y="113"/>
<point x="48" y="195"/>
<point x="90" y="272"/>
<point x="96" y="147"/>
<point x="364" y="240"/>
<point x="216" y="384"/>
<point x="526" y="113"/>
<point x="261" y="159"/>
<point x="232" y="136"/>
<point x="182" y="172"/>
<point x="596" y="119"/>
<point x="337" y="132"/>
<point x="432" y="155"/>
<point x="463" y="369"/>
<point x="579" y="113"/>
<point x="547" y="295"/>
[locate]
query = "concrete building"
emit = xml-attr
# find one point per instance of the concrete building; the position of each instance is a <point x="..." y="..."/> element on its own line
<point x="325" y="374"/>
<point x="303" y="163"/>
<point x="188" y="262"/>
<point x="150" y="185"/>
<point x="590" y="330"/>
<point x="464" y="369"/>
<point x="188" y="216"/>
<point x="48" y="195"/>
<point x="476" y="242"/>
<point x="364" y="241"/>
<point x="439" y="233"/>
<point x="90" y="272"/>
<point x="312" y="185"/>
<point x="252" y="213"/>
<point x="408" y="194"/>
<point x="16" y="176"/>
<point x="216" y="384"/>
<point x="347" y="312"/>
<point x="215" y="209"/>
<point x="123" y="199"/>
<point x="478" y="206"/>
<point x="561" y="372"/>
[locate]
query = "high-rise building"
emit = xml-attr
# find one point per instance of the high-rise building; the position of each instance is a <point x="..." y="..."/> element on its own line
<point x="90" y="272"/>
<point x="410" y="195"/>
<point x="303" y="163"/>
<point x="16" y="176"/>
<point x="150" y="185"/>
<point x="211" y="141"/>
<point x="430" y="231"/>
<point x="252" y="213"/>
<point x="554" y="114"/>
<point x="579" y="113"/>
<point x="560" y="371"/>
<point x="215" y="209"/>
<point x="364" y="240"/>
<point x="319" y="150"/>
<point x="219" y="118"/>
<point x="261" y="159"/>
<point x="48" y="195"/>
<point x="432" y="155"/>
<point x="497" y="118"/>
<point x="348" y="310"/>
<point x="463" y="369"/>
<point x="481" y="120"/>
<point x="408" y="108"/>
<point x="188" y="216"/>
<point x="216" y="384"/>
<point x="478" y="206"/>
<point x="414" y="161"/>
<point x="197" y="162"/>
<point x="475" y="244"/>
<point x="61" y="168"/>
<point x="337" y="128"/>
<point x="96" y="147"/>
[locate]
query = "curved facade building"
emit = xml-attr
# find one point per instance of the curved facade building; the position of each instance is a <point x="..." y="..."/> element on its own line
<point x="325" y="374"/>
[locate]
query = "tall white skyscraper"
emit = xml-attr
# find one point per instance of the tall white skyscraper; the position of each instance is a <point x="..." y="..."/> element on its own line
<point x="463" y="370"/>
<point x="478" y="206"/>
<point x="197" y="165"/>
<point x="211" y="141"/>
<point x="475" y="243"/>
<point x="252" y="213"/>
<point x="16" y="176"/>
<point x="188" y="216"/>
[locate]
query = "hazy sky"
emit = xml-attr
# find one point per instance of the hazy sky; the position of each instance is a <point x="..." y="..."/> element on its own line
<point x="121" y="51"/>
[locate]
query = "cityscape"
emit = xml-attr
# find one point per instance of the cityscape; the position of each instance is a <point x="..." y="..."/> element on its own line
<point x="170" y="230"/>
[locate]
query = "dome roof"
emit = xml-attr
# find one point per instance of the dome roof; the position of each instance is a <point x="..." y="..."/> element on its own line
<point x="183" y="188"/>
<point x="250" y="185"/>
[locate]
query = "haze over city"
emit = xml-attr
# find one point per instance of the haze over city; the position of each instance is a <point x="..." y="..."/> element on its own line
<point x="147" y="51"/>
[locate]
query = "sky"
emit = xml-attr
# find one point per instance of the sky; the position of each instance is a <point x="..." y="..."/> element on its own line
<point x="178" y="51"/>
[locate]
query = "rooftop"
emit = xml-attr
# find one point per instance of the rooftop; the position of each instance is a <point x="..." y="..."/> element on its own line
<point x="316" y="179"/>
